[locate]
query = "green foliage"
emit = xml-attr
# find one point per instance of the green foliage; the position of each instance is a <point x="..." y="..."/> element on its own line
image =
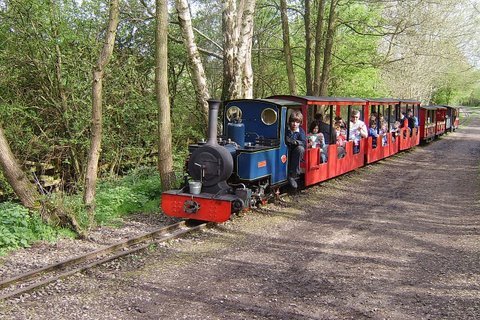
<point x="139" y="191"/>
<point x="6" y="191"/>
<point x="354" y="71"/>
<point x="19" y="228"/>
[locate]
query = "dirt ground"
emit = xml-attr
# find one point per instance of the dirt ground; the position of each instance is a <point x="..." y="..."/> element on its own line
<point x="395" y="240"/>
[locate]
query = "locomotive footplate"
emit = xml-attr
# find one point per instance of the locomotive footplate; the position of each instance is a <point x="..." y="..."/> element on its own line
<point x="203" y="206"/>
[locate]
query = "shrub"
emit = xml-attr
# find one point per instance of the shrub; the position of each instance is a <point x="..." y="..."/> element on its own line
<point x="19" y="228"/>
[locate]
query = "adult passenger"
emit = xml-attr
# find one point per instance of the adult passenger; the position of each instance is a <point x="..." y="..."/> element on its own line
<point x="324" y="127"/>
<point x="358" y="130"/>
<point x="296" y="141"/>
<point x="412" y="121"/>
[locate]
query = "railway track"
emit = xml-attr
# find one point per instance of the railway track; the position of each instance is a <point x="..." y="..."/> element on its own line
<point x="23" y="283"/>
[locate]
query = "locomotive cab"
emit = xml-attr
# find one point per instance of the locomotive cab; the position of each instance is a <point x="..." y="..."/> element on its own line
<point x="262" y="159"/>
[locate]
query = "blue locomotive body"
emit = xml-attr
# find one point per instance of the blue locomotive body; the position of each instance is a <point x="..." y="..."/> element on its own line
<point x="263" y="154"/>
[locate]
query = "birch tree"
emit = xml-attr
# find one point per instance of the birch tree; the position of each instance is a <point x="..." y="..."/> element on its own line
<point x="199" y="79"/>
<point x="237" y="28"/>
<point x="165" y="159"/>
<point x="96" y="128"/>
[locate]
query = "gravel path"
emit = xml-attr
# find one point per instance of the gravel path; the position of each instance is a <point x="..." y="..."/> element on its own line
<point x="395" y="240"/>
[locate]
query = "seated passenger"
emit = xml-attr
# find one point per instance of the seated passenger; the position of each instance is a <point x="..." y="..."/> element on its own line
<point x="358" y="130"/>
<point x="341" y="141"/>
<point x="384" y="131"/>
<point x="372" y="132"/>
<point x="316" y="140"/>
<point x="340" y="122"/>
<point x="296" y="141"/>
<point x="323" y="127"/>
<point x="412" y="121"/>
<point x="395" y="130"/>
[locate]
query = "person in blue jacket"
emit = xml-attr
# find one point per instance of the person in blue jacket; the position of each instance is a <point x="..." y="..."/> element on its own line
<point x="296" y="141"/>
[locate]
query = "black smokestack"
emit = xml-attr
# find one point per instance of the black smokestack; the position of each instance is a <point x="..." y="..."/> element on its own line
<point x="213" y="107"/>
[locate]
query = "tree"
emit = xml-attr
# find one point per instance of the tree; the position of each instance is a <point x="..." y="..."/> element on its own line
<point x="327" y="53"/>
<point x="199" y="80"/>
<point x="317" y="74"/>
<point x="165" y="159"/>
<point x="237" y="28"/>
<point x="96" y="130"/>
<point x="26" y="191"/>
<point x="292" y="85"/>
<point x="23" y="188"/>
<point x="423" y="60"/>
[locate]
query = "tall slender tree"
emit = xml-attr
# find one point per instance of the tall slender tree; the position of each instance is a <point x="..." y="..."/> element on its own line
<point x="97" y="89"/>
<point x="195" y="64"/>
<point x="328" y="50"/>
<point x="287" y="52"/>
<point x="165" y="159"/>
<point x="318" y="48"/>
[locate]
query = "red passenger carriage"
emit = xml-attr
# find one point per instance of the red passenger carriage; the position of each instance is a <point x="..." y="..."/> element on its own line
<point x="409" y="137"/>
<point x="452" y="118"/>
<point x="330" y="107"/>
<point x="377" y="151"/>
<point x="432" y="122"/>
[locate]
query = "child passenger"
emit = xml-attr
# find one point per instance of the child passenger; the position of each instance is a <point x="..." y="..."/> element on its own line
<point x="296" y="141"/>
<point x="384" y="131"/>
<point x="341" y="139"/>
<point x="372" y="132"/>
<point x="317" y="140"/>
<point x="395" y="129"/>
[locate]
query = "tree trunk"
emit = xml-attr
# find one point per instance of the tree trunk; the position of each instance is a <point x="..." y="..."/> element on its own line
<point x="195" y="63"/>
<point x="318" y="48"/>
<point x="26" y="191"/>
<point x="292" y="85"/>
<point x="327" y="56"/>
<point x="308" y="48"/>
<point x="229" y="45"/>
<point x="248" y="74"/>
<point x="23" y="188"/>
<point x="237" y="28"/>
<point x="243" y="59"/>
<point x="96" y="129"/>
<point x="165" y="159"/>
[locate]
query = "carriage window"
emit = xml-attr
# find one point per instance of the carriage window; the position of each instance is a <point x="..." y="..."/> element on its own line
<point x="234" y="113"/>
<point x="269" y="116"/>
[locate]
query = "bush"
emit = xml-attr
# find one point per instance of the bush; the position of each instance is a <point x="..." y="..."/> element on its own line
<point x="19" y="228"/>
<point x="139" y="191"/>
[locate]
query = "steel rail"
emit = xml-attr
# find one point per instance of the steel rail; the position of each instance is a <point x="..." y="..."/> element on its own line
<point x="86" y="261"/>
